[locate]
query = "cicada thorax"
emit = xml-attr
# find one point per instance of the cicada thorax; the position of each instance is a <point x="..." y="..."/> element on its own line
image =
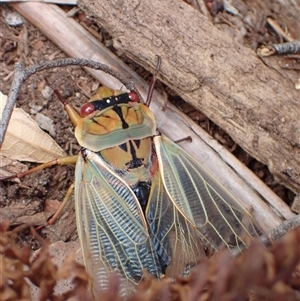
<point x="119" y="128"/>
<point x="110" y="121"/>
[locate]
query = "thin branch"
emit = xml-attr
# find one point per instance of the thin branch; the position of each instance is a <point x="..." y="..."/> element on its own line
<point x="283" y="48"/>
<point x="271" y="22"/>
<point x="275" y="234"/>
<point x="19" y="77"/>
<point x="22" y="74"/>
<point x="278" y="232"/>
<point x="288" y="47"/>
<point x="284" y="228"/>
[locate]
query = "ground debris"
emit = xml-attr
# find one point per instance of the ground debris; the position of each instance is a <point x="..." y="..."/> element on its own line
<point x="258" y="274"/>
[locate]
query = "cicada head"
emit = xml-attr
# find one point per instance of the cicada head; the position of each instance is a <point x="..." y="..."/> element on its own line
<point x="111" y="118"/>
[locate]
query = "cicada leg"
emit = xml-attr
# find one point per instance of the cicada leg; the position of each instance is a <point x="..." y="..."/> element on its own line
<point x="68" y="194"/>
<point x="153" y="81"/>
<point x="59" y="161"/>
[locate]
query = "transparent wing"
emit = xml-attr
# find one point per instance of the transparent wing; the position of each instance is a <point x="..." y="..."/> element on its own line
<point x="220" y="219"/>
<point x="174" y="238"/>
<point x="112" y="228"/>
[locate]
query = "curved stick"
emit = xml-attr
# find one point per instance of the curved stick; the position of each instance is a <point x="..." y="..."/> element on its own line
<point x="21" y="74"/>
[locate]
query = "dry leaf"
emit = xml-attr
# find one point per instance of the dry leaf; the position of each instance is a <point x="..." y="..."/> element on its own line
<point x="269" y="274"/>
<point x="25" y="141"/>
<point x="63" y="256"/>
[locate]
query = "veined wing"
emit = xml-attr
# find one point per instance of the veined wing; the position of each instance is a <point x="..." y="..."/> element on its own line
<point x="174" y="238"/>
<point x="112" y="229"/>
<point x="219" y="217"/>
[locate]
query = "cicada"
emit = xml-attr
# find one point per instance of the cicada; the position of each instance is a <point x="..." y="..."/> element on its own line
<point x="142" y="202"/>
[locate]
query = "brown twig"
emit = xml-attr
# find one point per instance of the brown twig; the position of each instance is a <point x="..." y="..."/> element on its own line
<point x="276" y="233"/>
<point x="287" y="48"/>
<point x="282" y="48"/>
<point x="278" y="30"/>
<point x="22" y="74"/>
<point x="284" y="228"/>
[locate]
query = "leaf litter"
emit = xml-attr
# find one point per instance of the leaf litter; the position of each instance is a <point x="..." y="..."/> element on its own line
<point x="259" y="274"/>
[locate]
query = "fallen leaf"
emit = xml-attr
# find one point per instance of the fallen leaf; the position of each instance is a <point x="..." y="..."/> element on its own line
<point x="25" y="141"/>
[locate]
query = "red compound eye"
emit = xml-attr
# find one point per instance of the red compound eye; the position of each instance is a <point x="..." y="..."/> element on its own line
<point x="87" y="109"/>
<point x="134" y="97"/>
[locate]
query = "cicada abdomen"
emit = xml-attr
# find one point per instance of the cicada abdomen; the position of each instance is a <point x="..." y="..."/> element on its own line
<point x="142" y="202"/>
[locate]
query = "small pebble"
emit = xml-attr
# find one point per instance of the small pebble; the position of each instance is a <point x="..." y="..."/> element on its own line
<point x="45" y="123"/>
<point x="13" y="19"/>
<point x="47" y="93"/>
<point x="34" y="109"/>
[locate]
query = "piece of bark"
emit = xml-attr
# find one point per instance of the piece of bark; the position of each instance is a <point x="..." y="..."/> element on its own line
<point x="256" y="106"/>
<point x="76" y="41"/>
<point x="296" y="205"/>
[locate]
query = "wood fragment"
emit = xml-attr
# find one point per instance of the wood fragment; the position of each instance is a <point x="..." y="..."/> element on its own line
<point x="283" y="48"/>
<point x="277" y="233"/>
<point x="284" y="228"/>
<point x="255" y="105"/>
<point x="278" y="30"/>
<point x="287" y="48"/>
<point x="296" y="204"/>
